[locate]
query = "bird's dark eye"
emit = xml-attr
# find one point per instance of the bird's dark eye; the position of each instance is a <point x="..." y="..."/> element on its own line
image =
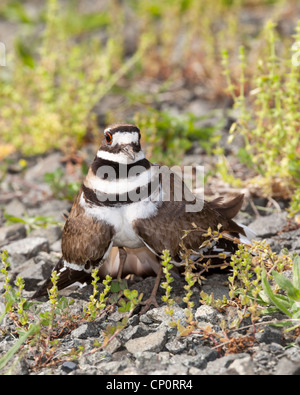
<point x="108" y="138"/>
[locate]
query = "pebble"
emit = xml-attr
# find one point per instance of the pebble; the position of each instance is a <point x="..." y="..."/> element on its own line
<point x="28" y="247"/>
<point x="208" y="314"/>
<point x="152" y="342"/>
<point x="286" y="367"/>
<point x="12" y="233"/>
<point x="270" y="225"/>
<point x="269" y="335"/>
<point x="69" y="366"/>
<point x="85" y="331"/>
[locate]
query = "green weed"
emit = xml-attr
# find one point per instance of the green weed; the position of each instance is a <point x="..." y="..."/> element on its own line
<point x="62" y="84"/>
<point x="269" y="118"/>
<point x="95" y="306"/>
<point x="61" y="188"/>
<point x="41" y="328"/>
<point x="289" y="302"/>
<point x="167" y="267"/>
<point x="167" y="137"/>
<point x="246" y="281"/>
<point x="31" y="223"/>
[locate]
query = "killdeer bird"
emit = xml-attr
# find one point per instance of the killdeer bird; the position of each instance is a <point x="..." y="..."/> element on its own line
<point x="126" y="214"/>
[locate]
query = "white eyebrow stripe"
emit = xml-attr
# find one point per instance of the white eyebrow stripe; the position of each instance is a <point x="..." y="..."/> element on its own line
<point x="124" y="138"/>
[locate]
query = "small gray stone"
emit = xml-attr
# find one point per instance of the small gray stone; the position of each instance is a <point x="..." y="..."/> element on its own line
<point x="269" y="335"/>
<point x="15" y="208"/>
<point x="159" y="315"/>
<point x="12" y="233"/>
<point x="44" y="165"/>
<point x="99" y="357"/>
<point x="33" y="272"/>
<point x="164" y="358"/>
<point x="208" y="314"/>
<point x="243" y="367"/>
<point x="199" y="361"/>
<point x="85" y="330"/>
<point x="176" y="346"/>
<point x="146" y="360"/>
<point x="152" y="342"/>
<point x="28" y="247"/>
<point x="69" y="366"/>
<point x="52" y="233"/>
<point x="114" y="345"/>
<point x="113" y="367"/>
<point x="206" y="354"/>
<point x="56" y="247"/>
<point x="286" y="367"/>
<point x="293" y="354"/>
<point x="133" y="332"/>
<point x="54" y="208"/>
<point x="269" y="225"/>
<point x="296" y="240"/>
<point x="221" y="365"/>
<point x="186" y="361"/>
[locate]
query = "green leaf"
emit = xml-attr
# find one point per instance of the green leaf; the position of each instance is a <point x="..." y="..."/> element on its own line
<point x="131" y="294"/>
<point x="281" y="324"/>
<point x="285" y="284"/>
<point x="296" y="272"/>
<point x="292" y="328"/>
<point x="276" y="301"/>
<point x="123" y="284"/>
<point x="10" y="353"/>
<point x="115" y="286"/>
<point x="12" y="219"/>
<point x="269" y="310"/>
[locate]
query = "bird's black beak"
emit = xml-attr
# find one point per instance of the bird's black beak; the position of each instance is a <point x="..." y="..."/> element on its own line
<point x="129" y="152"/>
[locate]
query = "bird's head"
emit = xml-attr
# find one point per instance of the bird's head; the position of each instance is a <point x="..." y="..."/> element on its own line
<point x="121" y="144"/>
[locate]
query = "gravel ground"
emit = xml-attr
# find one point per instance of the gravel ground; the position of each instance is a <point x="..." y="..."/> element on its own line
<point x="148" y="345"/>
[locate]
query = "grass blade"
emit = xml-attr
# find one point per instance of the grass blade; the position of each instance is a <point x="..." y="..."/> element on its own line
<point x="286" y="285"/>
<point x="10" y="353"/>
<point x="276" y="301"/>
<point x="296" y="272"/>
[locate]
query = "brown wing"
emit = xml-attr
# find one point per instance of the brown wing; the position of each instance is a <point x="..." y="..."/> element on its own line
<point x="166" y="229"/>
<point x="228" y="209"/>
<point x="84" y="243"/>
<point x="84" y="238"/>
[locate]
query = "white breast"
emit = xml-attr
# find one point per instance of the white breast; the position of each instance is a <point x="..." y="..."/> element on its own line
<point x="121" y="218"/>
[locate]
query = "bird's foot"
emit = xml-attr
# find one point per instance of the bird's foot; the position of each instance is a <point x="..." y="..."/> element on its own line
<point x="148" y="303"/>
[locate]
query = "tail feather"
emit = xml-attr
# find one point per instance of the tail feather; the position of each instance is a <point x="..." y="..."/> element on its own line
<point x="66" y="277"/>
<point x="228" y="209"/>
<point x="250" y="234"/>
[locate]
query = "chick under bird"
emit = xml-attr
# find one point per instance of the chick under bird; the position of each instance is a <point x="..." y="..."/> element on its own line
<point x="129" y="210"/>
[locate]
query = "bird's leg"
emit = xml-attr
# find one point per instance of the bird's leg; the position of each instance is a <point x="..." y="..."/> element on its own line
<point x="152" y="299"/>
<point x="123" y="256"/>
